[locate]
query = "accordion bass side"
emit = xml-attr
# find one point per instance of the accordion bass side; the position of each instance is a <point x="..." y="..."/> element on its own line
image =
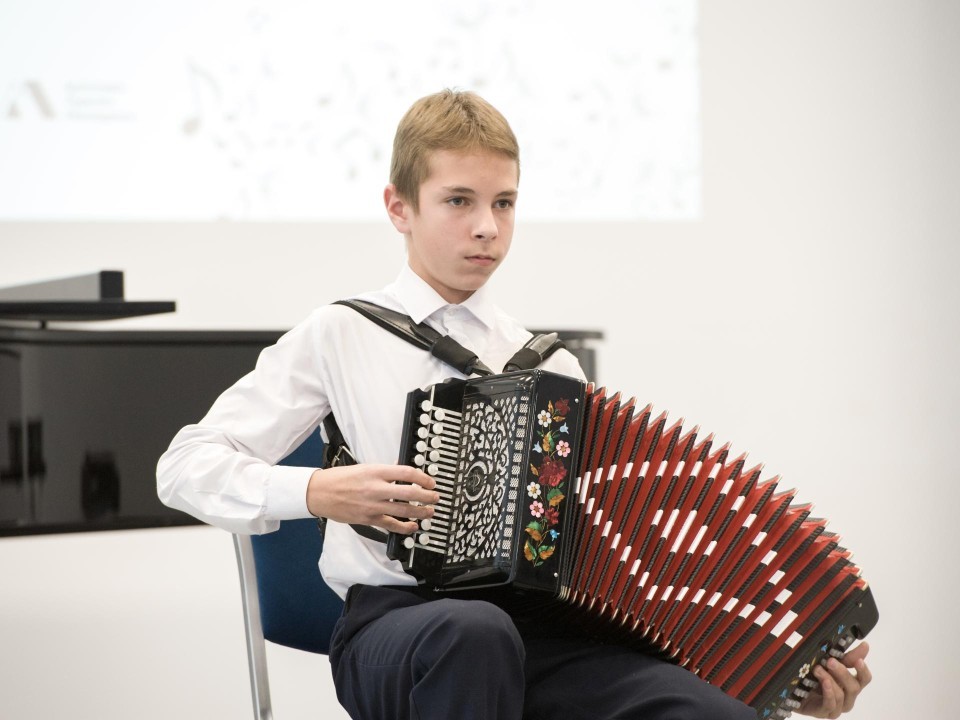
<point x="632" y="527"/>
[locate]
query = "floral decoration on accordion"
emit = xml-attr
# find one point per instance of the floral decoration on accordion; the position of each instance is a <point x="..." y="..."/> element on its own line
<point x="547" y="492"/>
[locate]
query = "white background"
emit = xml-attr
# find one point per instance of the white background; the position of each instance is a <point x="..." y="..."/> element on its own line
<point x="810" y="317"/>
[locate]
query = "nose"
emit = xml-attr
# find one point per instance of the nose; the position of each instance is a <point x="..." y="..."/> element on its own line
<point x="485" y="225"/>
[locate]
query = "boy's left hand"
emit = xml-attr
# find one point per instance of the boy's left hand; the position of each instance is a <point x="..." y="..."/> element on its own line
<point x="840" y="684"/>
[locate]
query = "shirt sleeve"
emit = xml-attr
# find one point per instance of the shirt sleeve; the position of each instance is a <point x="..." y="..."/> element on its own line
<point x="223" y="469"/>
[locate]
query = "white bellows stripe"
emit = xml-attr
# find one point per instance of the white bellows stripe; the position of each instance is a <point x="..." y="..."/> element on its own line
<point x="670" y="522"/>
<point x="628" y="469"/>
<point x="697" y="467"/>
<point x="698" y="597"/>
<point x="576" y="486"/>
<point x="626" y="553"/>
<point x="653" y="591"/>
<point x="662" y="469"/>
<point x="683" y="531"/>
<point x="667" y="593"/>
<point x="762" y="618"/>
<point x="657" y="516"/>
<point x="784" y="596"/>
<point x="596" y="520"/>
<point x="613" y="469"/>
<point x="737" y="503"/>
<point x="710" y="547"/>
<point x="645" y="468"/>
<point x="747" y="610"/>
<point x="794" y="639"/>
<point x="726" y="486"/>
<point x="698" y="538"/>
<point x="714" y="599"/>
<point x="785" y="622"/>
<point x="776" y="577"/>
<point x="616" y="541"/>
<point x="606" y="528"/>
<point x="636" y="566"/>
<point x="761" y="536"/>
<point x="768" y="558"/>
<point x="682" y="593"/>
<point x="679" y="471"/>
<point x="596" y="479"/>
<point x="590" y="506"/>
<point x="749" y="521"/>
<point x="644" y="578"/>
<point x="731" y="604"/>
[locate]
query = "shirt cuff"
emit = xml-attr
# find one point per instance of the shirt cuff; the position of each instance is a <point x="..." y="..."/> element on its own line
<point x="287" y="492"/>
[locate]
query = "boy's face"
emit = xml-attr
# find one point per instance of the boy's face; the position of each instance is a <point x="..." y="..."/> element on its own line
<point x="464" y="226"/>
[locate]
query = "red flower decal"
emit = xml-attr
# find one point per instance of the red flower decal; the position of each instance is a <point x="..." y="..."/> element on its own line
<point x="552" y="472"/>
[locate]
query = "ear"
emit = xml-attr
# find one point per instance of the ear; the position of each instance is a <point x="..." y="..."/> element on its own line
<point x="398" y="209"/>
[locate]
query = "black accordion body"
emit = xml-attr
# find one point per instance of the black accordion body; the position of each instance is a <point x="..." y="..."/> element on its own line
<point x="633" y="527"/>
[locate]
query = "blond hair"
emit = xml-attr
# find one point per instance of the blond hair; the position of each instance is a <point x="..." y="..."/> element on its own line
<point x="448" y="120"/>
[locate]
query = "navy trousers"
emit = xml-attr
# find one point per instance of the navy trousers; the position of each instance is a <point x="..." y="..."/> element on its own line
<point x="402" y="654"/>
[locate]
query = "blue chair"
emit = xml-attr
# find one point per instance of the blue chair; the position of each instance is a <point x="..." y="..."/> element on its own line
<point x="284" y="597"/>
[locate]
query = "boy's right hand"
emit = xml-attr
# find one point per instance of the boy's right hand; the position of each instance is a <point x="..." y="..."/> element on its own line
<point x="373" y="495"/>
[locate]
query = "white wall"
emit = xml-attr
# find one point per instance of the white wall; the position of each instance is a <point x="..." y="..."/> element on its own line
<point x="810" y="318"/>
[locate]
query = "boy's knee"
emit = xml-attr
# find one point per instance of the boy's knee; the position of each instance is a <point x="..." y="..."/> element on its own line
<point x="475" y="632"/>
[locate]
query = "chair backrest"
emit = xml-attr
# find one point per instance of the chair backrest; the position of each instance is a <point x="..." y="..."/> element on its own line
<point x="297" y="609"/>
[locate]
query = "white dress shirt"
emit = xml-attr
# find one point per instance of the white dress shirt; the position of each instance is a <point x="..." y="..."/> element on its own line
<point x="223" y="470"/>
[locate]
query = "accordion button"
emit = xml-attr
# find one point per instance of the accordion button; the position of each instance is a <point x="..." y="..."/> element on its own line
<point x="408" y="543"/>
<point x="435" y="442"/>
<point x="439" y="414"/>
<point x="432" y="469"/>
<point x="422" y="433"/>
<point x="419" y="460"/>
<point x="438" y="429"/>
<point x="434" y="456"/>
<point x="425" y="524"/>
<point x="424" y="419"/>
<point x="426" y="405"/>
<point x="422" y="446"/>
<point x="424" y="539"/>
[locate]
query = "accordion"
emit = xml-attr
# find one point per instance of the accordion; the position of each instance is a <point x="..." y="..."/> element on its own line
<point x="630" y="525"/>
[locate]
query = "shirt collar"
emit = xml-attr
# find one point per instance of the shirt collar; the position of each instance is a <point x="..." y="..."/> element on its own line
<point x="420" y="300"/>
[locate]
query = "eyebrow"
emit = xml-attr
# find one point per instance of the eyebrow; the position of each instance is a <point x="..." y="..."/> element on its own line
<point x="460" y="190"/>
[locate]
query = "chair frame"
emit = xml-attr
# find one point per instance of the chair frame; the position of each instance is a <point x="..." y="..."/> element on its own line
<point x="256" y="645"/>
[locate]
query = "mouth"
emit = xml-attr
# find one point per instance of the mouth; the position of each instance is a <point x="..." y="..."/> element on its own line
<point x="483" y="260"/>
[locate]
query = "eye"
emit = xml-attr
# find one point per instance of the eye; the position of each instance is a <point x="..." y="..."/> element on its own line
<point x="503" y="204"/>
<point x="457" y="201"/>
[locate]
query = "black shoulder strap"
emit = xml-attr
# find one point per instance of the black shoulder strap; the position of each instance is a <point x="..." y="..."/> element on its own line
<point x="445" y="348"/>
<point x="535" y="351"/>
<point x="442" y="347"/>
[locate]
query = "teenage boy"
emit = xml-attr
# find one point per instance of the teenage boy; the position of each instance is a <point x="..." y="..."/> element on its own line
<point x="400" y="651"/>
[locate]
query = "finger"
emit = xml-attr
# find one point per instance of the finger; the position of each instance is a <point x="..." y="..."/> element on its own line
<point x="414" y="493"/>
<point x="851" y="658"/>
<point x="848" y="683"/>
<point x="863" y="673"/>
<point x="830" y="692"/>
<point x="407" y="474"/>
<point x="392" y="524"/>
<point x="404" y="510"/>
